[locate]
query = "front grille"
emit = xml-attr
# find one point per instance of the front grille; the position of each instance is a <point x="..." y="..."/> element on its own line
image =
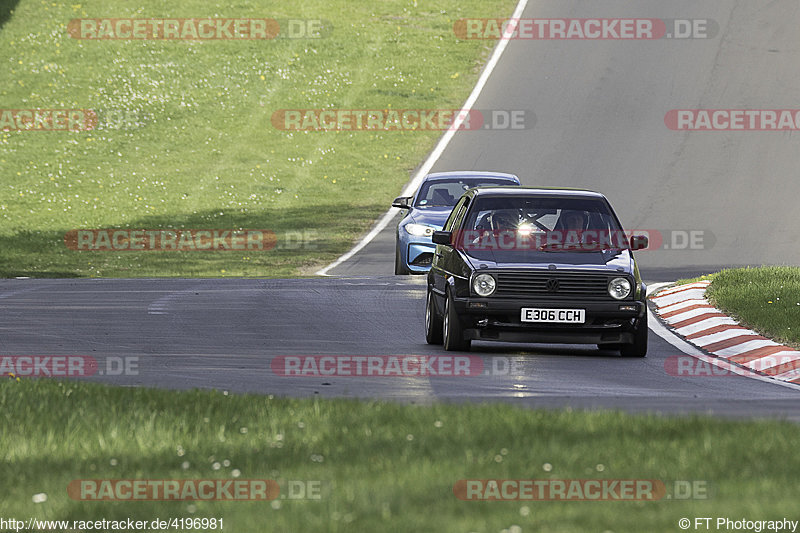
<point x="423" y="259"/>
<point x="552" y="284"/>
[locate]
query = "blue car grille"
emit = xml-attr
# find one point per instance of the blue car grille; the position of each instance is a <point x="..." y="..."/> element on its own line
<point x="550" y="284"/>
<point x="423" y="259"/>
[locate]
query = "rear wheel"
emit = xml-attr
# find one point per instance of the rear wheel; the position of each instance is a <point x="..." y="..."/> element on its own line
<point x="639" y="346"/>
<point x="433" y="322"/>
<point x="452" y="331"/>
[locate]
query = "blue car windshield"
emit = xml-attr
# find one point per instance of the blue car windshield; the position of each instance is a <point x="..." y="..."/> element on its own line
<point x="446" y="193"/>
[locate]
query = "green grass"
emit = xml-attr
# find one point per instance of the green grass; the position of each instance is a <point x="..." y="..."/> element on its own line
<point x="201" y="151"/>
<point x="765" y="299"/>
<point x="382" y="466"/>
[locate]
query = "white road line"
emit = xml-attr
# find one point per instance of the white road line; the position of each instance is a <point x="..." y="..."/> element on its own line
<point x="440" y="147"/>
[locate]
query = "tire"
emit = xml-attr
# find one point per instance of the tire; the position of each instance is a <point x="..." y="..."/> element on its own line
<point x="639" y="346"/>
<point x="433" y="322"/>
<point x="399" y="268"/>
<point x="452" y="331"/>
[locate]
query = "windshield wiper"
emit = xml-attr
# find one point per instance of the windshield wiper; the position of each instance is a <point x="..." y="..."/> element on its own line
<point x="552" y="247"/>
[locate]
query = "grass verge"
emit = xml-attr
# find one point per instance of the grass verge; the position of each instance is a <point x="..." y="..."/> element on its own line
<point x="382" y="466"/>
<point x="765" y="299"/>
<point x="185" y="138"/>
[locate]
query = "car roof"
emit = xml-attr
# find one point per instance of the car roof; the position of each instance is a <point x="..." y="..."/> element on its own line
<point x="536" y="191"/>
<point x="468" y="174"/>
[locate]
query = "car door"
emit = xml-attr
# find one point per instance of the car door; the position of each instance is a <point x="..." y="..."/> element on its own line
<point x="446" y="259"/>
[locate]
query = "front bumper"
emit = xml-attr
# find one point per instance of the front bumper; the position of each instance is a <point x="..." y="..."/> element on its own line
<point x="499" y="319"/>
<point x="419" y="256"/>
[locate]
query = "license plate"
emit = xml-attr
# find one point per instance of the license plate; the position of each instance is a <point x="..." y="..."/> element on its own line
<point x="557" y="316"/>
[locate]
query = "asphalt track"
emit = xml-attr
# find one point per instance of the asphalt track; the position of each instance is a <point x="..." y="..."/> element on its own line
<point x="599" y="110"/>
<point x="225" y="333"/>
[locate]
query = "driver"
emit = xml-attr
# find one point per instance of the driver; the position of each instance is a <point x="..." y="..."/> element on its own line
<point x="573" y="220"/>
<point x="504" y="220"/>
<point x="493" y="225"/>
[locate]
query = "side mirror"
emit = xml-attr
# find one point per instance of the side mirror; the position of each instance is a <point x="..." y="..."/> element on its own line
<point x="639" y="242"/>
<point x="402" y="202"/>
<point x="442" y="237"/>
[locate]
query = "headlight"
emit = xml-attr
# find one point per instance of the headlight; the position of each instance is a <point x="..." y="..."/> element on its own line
<point x="484" y="285"/>
<point x="420" y="230"/>
<point x="619" y="288"/>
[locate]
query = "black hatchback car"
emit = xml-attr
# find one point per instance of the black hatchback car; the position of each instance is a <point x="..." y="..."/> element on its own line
<point x="536" y="265"/>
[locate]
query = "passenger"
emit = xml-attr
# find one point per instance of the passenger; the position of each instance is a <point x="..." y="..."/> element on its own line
<point x="573" y="220"/>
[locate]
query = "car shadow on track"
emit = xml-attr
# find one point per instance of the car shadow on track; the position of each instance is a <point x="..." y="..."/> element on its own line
<point x="520" y="350"/>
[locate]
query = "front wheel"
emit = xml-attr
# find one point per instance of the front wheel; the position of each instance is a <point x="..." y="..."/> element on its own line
<point x="452" y="331"/>
<point x="639" y="346"/>
<point x="433" y="322"/>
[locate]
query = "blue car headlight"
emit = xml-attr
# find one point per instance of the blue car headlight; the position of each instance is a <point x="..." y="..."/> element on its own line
<point x="419" y="230"/>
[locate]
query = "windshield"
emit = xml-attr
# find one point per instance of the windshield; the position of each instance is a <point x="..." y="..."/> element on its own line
<point x="446" y="193"/>
<point x="544" y="224"/>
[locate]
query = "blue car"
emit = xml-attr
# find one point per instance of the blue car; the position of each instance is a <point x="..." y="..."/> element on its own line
<point x="427" y="211"/>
